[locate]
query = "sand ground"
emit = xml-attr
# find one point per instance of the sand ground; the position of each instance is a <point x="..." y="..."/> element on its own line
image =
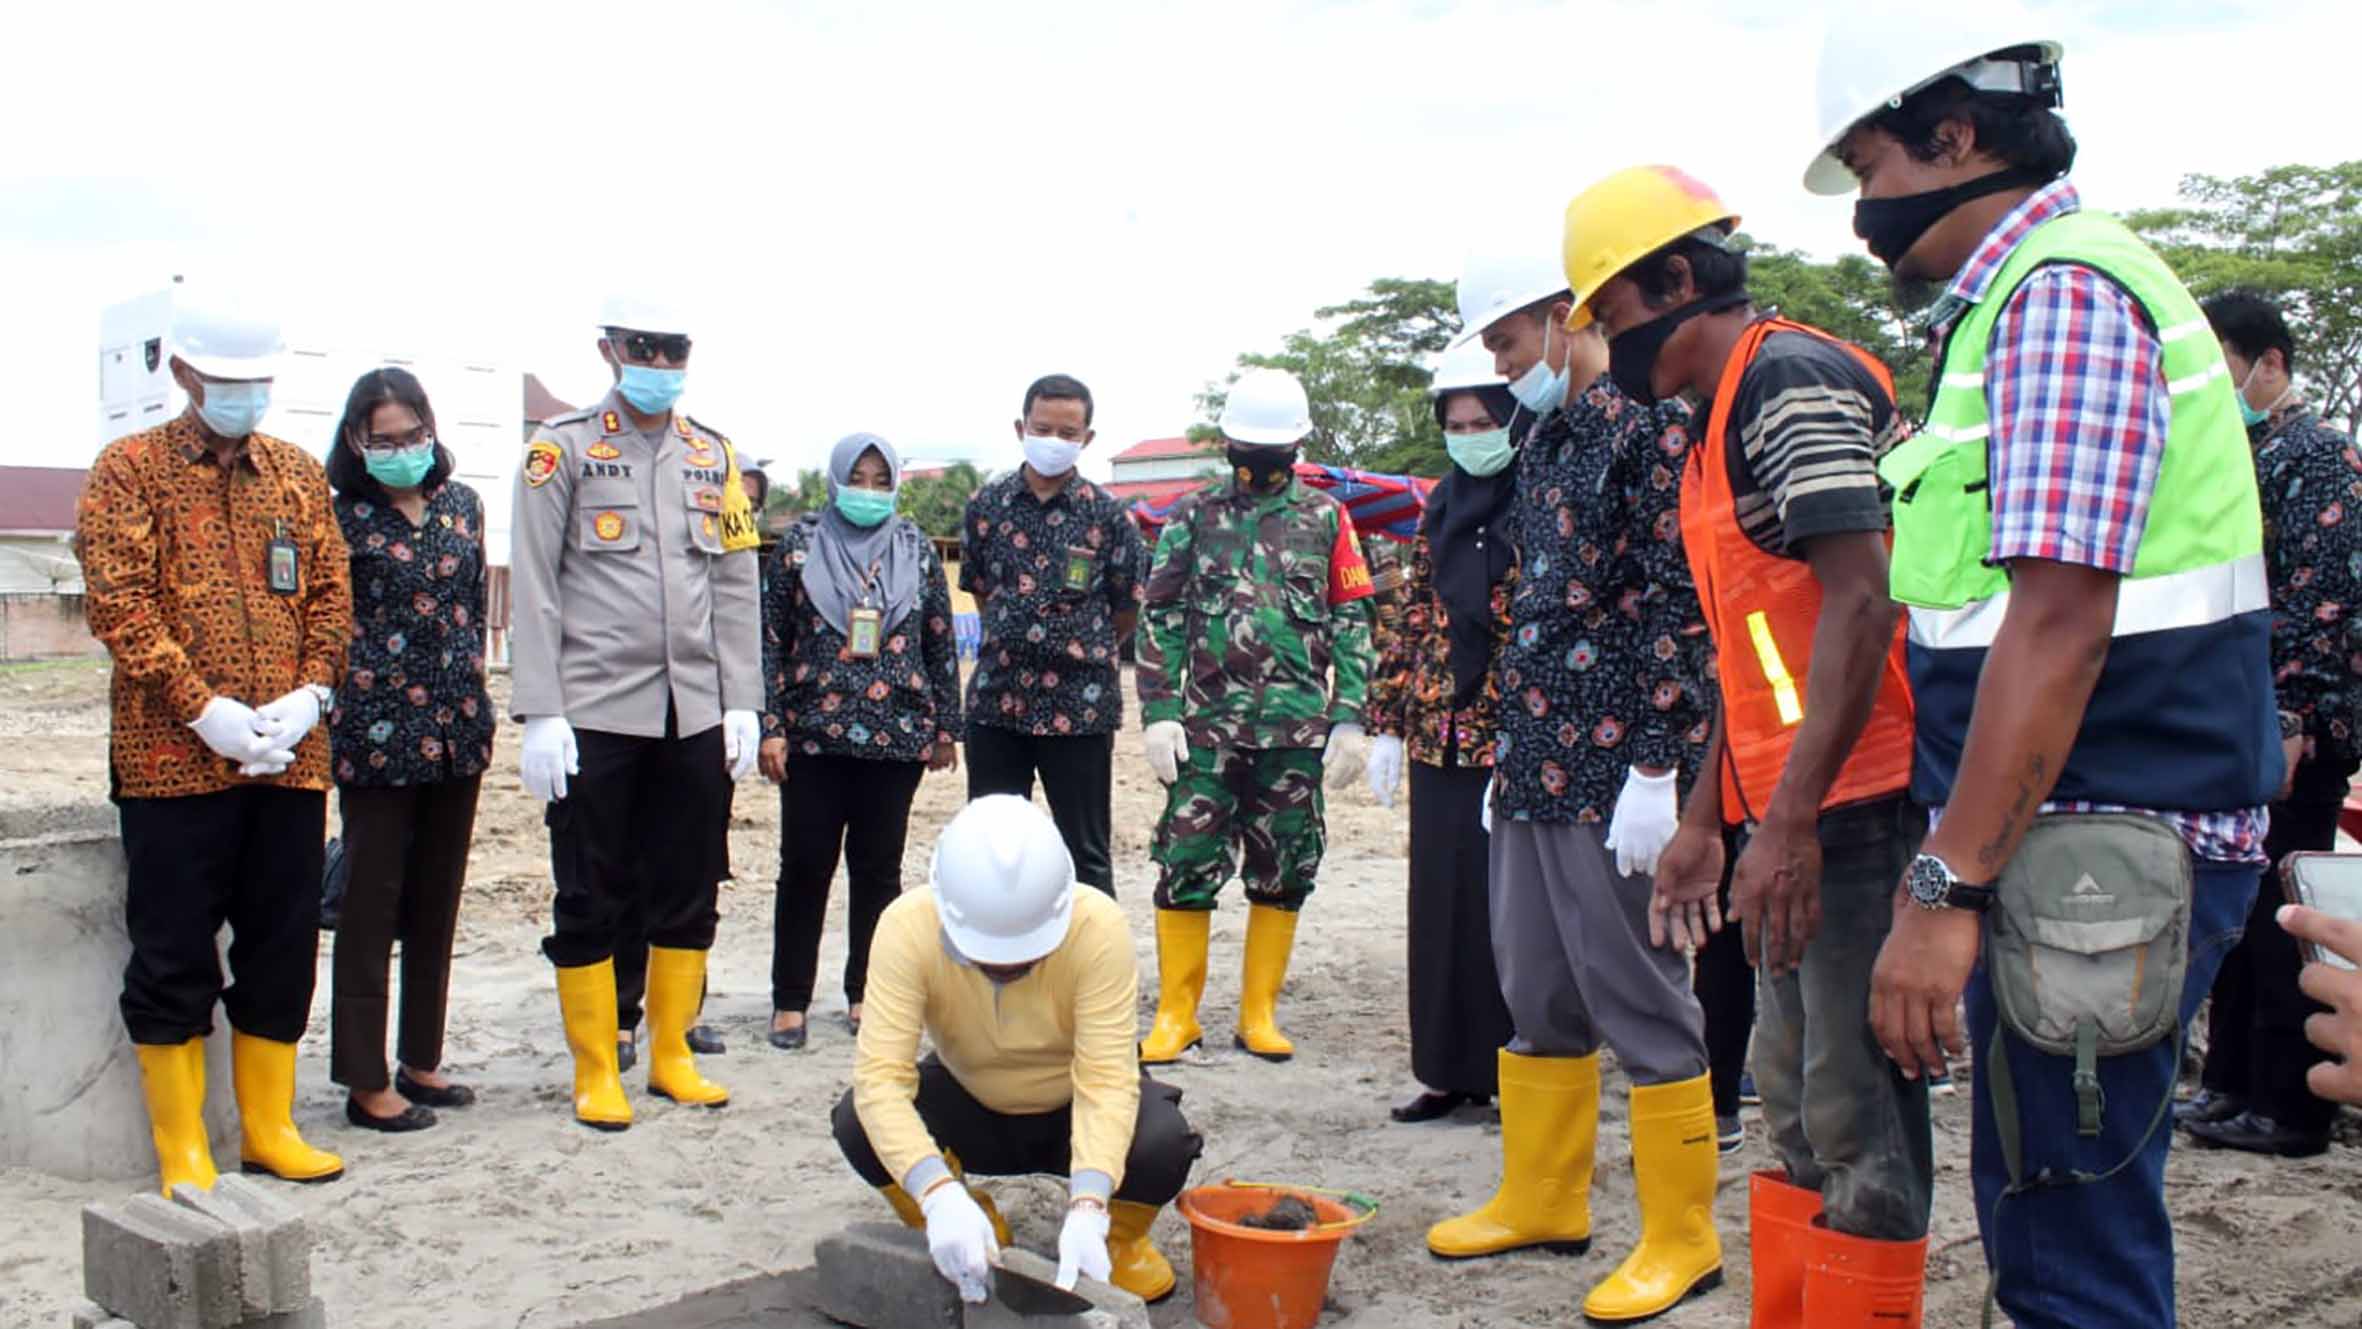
<point x="509" y="1214"/>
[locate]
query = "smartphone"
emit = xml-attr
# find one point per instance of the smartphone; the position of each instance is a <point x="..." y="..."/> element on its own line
<point x="2331" y="883"/>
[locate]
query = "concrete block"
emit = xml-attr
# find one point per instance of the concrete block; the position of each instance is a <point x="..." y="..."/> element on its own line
<point x="880" y="1276"/>
<point x="71" y="1103"/>
<point x="88" y="1316"/>
<point x="252" y="1238"/>
<point x="159" y="1266"/>
<point x="287" y="1241"/>
<point x="313" y="1314"/>
<point x="1111" y="1307"/>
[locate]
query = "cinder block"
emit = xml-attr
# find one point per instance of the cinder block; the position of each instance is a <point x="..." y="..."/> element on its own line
<point x="287" y="1241"/>
<point x="312" y="1315"/>
<point x="88" y="1316"/>
<point x="159" y="1266"/>
<point x="1110" y="1306"/>
<point x="879" y="1276"/>
<point x="252" y="1238"/>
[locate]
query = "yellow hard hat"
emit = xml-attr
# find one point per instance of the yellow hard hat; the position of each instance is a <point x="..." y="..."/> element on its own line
<point x="1627" y="217"/>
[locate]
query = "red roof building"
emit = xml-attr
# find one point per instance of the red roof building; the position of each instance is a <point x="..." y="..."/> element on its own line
<point x="1160" y="467"/>
<point x="39" y="500"/>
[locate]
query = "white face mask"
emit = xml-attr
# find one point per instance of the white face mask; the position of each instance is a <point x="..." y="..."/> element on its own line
<point x="1049" y="455"/>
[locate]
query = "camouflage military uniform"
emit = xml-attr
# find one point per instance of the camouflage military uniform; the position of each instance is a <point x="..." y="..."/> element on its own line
<point x="1252" y="603"/>
<point x="1390" y="576"/>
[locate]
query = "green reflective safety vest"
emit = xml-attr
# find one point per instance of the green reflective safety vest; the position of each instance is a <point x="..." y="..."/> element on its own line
<point x="2183" y="717"/>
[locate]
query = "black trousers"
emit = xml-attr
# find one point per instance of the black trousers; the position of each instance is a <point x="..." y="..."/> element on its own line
<point x="408" y="853"/>
<point x="644" y="826"/>
<point x="1725" y="985"/>
<point x="1459" y="1022"/>
<point x="249" y="857"/>
<point x="1078" y="776"/>
<point x="631" y="956"/>
<point x="1000" y="1144"/>
<point x="2256" y="1046"/>
<point x="853" y="808"/>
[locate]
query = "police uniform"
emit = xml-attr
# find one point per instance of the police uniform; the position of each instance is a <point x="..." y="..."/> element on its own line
<point x="636" y="618"/>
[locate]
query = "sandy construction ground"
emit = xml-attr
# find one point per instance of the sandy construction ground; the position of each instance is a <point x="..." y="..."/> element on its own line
<point x="509" y="1214"/>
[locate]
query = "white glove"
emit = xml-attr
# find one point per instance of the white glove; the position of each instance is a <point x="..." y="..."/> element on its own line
<point x="959" y="1236"/>
<point x="269" y="764"/>
<point x="548" y="757"/>
<point x="742" y="738"/>
<point x="1343" y="759"/>
<point x="1484" y="813"/>
<point x="1647" y="813"/>
<point x="1168" y="749"/>
<point x="1385" y="768"/>
<point x="1082" y="1245"/>
<point x="235" y="730"/>
<point x="291" y="717"/>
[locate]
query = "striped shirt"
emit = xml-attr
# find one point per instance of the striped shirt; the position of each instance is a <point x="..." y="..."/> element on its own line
<point x="1808" y="427"/>
<point x="2075" y="390"/>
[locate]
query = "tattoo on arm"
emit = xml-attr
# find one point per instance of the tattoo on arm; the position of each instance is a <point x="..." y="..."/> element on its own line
<point x="1994" y="853"/>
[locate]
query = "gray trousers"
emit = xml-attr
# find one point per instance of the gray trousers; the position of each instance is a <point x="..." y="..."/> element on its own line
<point x="1570" y="936"/>
<point x="1844" y="1120"/>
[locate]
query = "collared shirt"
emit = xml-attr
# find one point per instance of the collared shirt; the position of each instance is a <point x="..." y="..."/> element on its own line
<point x="895" y="706"/>
<point x="2310" y="479"/>
<point x="2075" y="389"/>
<point x="412" y="708"/>
<point x="1049" y="578"/>
<point x="1608" y="664"/>
<point x="1411" y="692"/>
<point x="176" y="553"/>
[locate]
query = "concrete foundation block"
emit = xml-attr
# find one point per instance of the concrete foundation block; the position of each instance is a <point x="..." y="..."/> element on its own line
<point x="253" y="1242"/>
<point x="159" y="1266"/>
<point x="88" y="1316"/>
<point x="71" y="1103"/>
<point x="1111" y="1307"/>
<point x="880" y="1276"/>
<point x="287" y="1242"/>
<point x="313" y="1314"/>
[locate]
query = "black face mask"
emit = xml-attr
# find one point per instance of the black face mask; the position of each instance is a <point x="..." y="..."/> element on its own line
<point x="1890" y="226"/>
<point x="1261" y="468"/>
<point x="1632" y="354"/>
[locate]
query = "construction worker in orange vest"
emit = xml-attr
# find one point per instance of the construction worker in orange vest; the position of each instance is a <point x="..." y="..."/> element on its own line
<point x="1786" y="531"/>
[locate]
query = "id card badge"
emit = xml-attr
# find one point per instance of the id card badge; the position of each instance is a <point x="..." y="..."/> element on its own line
<point x="1078" y="569"/>
<point x="863" y="628"/>
<point x="282" y="567"/>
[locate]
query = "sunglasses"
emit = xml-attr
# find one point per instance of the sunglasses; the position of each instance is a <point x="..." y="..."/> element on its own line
<point x="643" y="347"/>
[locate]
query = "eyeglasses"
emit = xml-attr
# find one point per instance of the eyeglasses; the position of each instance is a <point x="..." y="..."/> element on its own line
<point x="643" y="347"/>
<point x="396" y="442"/>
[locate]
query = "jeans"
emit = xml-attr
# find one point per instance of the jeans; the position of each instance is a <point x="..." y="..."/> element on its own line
<point x="1844" y="1121"/>
<point x="2099" y="1255"/>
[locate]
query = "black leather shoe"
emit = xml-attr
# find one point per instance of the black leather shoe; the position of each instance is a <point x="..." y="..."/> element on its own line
<point x="705" y="1042"/>
<point x="788" y="1040"/>
<point x="411" y="1118"/>
<point x="1432" y="1104"/>
<point x="449" y="1096"/>
<point x="2254" y="1133"/>
<point x="627" y="1053"/>
<point x="2209" y="1105"/>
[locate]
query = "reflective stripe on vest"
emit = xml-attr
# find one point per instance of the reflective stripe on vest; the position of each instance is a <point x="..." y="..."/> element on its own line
<point x="2182" y="715"/>
<point x="1763" y="610"/>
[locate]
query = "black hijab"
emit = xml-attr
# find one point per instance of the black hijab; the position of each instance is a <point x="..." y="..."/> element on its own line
<point x="1471" y="555"/>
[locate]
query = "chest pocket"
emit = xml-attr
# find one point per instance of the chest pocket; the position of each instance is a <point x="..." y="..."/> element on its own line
<point x="1304" y="572"/>
<point x="704" y="502"/>
<point x="608" y="528"/>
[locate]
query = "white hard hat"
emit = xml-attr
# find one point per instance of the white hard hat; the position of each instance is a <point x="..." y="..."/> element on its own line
<point x="1878" y="54"/>
<point x="1465" y="365"/>
<point x="1003" y="881"/>
<point x="1496" y="285"/>
<point x="1266" y="406"/>
<point x="642" y="315"/>
<point x="222" y="338"/>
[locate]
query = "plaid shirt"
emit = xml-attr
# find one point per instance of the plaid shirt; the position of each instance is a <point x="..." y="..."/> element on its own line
<point x="2075" y="389"/>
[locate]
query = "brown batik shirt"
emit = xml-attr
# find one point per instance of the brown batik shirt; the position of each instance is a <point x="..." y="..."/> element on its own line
<point x="176" y="550"/>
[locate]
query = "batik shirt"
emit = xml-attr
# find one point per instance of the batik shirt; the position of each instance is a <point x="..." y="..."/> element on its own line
<point x="2310" y="479"/>
<point x="1411" y="696"/>
<point x="1050" y="580"/>
<point x="412" y="707"/>
<point x="895" y="707"/>
<point x="1608" y="664"/>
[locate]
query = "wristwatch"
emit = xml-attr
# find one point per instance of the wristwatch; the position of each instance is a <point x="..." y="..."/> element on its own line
<point x="1933" y="885"/>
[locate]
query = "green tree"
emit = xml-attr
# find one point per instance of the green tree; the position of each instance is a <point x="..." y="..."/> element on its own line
<point x="2292" y="232"/>
<point x="1365" y="368"/>
<point x="1851" y="298"/>
<point x="807" y="495"/>
<point x="939" y="502"/>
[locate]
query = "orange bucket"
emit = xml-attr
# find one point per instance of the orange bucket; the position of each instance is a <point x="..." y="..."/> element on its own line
<point x="1253" y="1278"/>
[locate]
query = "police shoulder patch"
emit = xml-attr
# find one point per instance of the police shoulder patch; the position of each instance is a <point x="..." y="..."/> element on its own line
<point x="610" y="422"/>
<point x="541" y="462"/>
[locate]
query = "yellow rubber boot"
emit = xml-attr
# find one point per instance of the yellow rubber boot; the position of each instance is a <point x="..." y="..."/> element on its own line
<point x="174" y="1077"/>
<point x="676" y="988"/>
<point x="1139" y="1267"/>
<point x="263" y="1072"/>
<point x="1674" y="1161"/>
<point x="1271" y="935"/>
<point x="983" y="1199"/>
<point x="1549" y="1130"/>
<point x="1181" y="980"/>
<point x="586" y="1000"/>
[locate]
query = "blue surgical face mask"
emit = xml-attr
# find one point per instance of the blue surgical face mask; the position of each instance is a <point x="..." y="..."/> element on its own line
<point x="864" y="507"/>
<point x="650" y="390"/>
<point x="232" y="410"/>
<point x="1541" y="389"/>
<point x="402" y="468"/>
<point x="1482" y="454"/>
<point x="2251" y="416"/>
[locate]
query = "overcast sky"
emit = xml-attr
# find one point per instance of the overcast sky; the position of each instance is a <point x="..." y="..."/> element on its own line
<point x="892" y="216"/>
